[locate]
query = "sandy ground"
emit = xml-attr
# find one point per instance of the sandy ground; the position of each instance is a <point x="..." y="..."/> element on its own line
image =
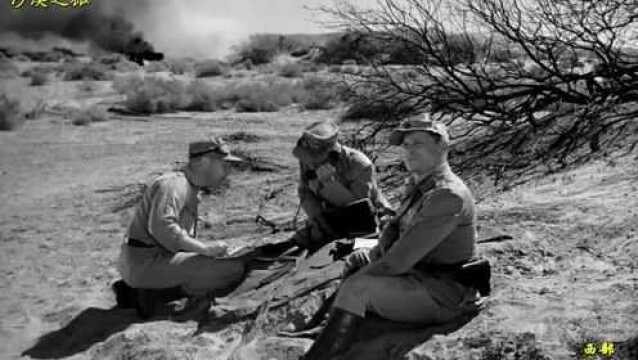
<point x="568" y="275"/>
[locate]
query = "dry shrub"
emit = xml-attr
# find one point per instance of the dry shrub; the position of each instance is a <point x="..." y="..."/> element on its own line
<point x="36" y="110"/>
<point x="118" y="62"/>
<point x="210" y="68"/>
<point x="242" y="136"/>
<point x="152" y="94"/>
<point x="249" y="96"/>
<point x="39" y="78"/>
<point x="42" y="71"/>
<point x="376" y="109"/>
<point x="290" y="70"/>
<point x="86" y="86"/>
<point x="319" y="93"/>
<point x="334" y="69"/>
<point x="8" y="68"/>
<point x="10" y="117"/>
<point x="156" y="66"/>
<point x="266" y="96"/>
<point x="86" y="71"/>
<point x="88" y="115"/>
<point x="206" y="97"/>
<point x="181" y="66"/>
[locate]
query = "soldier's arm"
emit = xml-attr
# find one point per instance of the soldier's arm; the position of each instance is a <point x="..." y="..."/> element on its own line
<point x="361" y="179"/>
<point x="309" y="202"/>
<point x="163" y="221"/>
<point x="438" y="217"/>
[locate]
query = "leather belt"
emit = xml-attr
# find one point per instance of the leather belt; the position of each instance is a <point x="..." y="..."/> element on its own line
<point x="428" y="267"/>
<point x="138" y="243"/>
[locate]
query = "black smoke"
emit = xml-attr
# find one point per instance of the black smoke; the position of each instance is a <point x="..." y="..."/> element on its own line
<point x="108" y="25"/>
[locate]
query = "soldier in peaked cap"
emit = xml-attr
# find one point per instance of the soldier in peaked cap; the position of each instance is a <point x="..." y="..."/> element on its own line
<point x="332" y="176"/>
<point x="412" y="275"/>
<point x="161" y="251"/>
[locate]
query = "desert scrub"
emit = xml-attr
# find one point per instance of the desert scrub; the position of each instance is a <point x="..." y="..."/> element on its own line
<point x="88" y="115"/>
<point x="264" y="95"/>
<point x="156" y="94"/>
<point x="156" y="66"/>
<point x="39" y="79"/>
<point x="290" y="70"/>
<point x="152" y="94"/>
<point x="319" y="93"/>
<point x="10" y="117"/>
<point x="117" y="62"/>
<point x="210" y="68"/>
<point x="85" y="71"/>
<point x="181" y="66"/>
<point x="206" y="97"/>
<point x="7" y="68"/>
<point x="86" y="86"/>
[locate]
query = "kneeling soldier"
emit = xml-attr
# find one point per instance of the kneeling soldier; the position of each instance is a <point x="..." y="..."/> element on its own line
<point x="412" y="272"/>
<point x="332" y="178"/>
<point x="161" y="251"/>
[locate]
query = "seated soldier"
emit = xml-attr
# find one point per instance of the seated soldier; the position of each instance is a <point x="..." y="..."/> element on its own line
<point x="332" y="176"/>
<point x="161" y="250"/>
<point x="410" y="276"/>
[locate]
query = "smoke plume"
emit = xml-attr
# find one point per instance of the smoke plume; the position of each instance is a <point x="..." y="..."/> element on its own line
<point x="103" y="24"/>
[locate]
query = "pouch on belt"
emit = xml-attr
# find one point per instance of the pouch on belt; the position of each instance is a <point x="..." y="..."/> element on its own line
<point x="477" y="274"/>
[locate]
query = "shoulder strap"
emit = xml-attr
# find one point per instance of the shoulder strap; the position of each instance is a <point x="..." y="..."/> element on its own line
<point x="414" y="197"/>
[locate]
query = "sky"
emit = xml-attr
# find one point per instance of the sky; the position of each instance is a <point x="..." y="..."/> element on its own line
<point x="211" y="27"/>
<point x="197" y="28"/>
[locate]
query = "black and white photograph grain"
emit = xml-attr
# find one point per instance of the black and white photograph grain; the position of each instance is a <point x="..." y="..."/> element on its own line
<point x="319" y="179"/>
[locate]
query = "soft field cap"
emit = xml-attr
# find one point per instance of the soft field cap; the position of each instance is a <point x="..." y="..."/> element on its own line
<point x="419" y="123"/>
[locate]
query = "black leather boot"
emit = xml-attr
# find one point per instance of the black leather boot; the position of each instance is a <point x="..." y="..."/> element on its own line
<point x="145" y="303"/>
<point x="336" y="337"/>
<point x="125" y="296"/>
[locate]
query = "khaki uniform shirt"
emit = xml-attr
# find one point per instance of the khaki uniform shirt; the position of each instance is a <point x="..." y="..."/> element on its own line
<point x="167" y="213"/>
<point x="437" y="225"/>
<point x="355" y="179"/>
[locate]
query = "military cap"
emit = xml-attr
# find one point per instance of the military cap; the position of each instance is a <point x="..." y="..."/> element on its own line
<point x="320" y="134"/>
<point x="215" y="145"/>
<point x="419" y="123"/>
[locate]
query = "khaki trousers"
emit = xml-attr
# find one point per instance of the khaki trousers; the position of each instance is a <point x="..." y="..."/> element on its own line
<point x="413" y="297"/>
<point x="157" y="268"/>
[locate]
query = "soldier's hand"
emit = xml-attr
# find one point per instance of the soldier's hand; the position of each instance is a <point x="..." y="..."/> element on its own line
<point x="326" y="171"/>
<point x="355" y="261"/>
<point x="216" y="249"/>
<point x="313" y="185"/>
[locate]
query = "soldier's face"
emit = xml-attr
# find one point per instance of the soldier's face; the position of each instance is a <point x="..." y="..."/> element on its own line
<point x="213" y="170"/>
<point x="421" y="151"/>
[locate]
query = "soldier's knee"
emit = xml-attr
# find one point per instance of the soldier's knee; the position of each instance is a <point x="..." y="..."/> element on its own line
<point x="357" y="284"/>
<point x="237" y="269"/>
<point x="302" y="238"/>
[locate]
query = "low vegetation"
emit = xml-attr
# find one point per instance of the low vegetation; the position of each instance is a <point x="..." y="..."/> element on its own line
<point x="155" y="94"/>
<point x="151" y="94"/>
<point x="10" y="116"/>
<point x="210" y="68"/>
<point x="7" y="68"/>
<point x="88" y="115"/>
<point x="39" y="78"/>
<point x="290" y="70"/>
<point x="85" y="71"/>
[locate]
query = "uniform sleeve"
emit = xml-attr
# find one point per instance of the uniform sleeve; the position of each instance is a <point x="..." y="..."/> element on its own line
<point x="309" y="202"/>
<point x="163" y="217"/>
<point x="361" y="180"/>
<point x="438" y="217"/>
